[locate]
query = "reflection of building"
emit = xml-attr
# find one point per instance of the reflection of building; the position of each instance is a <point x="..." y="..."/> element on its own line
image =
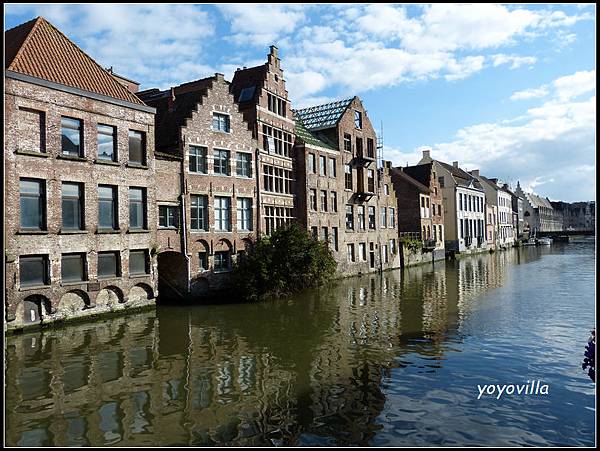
<point x="79" y="150"/>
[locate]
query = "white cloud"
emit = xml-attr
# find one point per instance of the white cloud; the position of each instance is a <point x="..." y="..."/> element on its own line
<point x="530" y="93"/>
<point x="550" y="148"/>
<point x="515" y="61"/>
<point x="575" y="85"/>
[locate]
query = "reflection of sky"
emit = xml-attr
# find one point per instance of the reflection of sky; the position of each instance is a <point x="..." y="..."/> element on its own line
<point x="533" y="327"/>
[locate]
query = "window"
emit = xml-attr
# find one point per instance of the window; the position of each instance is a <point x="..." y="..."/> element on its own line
<point x="221" y="122"/>
<point x="222" y="261"/>
<point x="462" y="228"/>
<point x="277" y="141"/>
<point x="392" y="218"/>
<point x="72" y="268"/>
<point x="203" y="261"/>
<point x="276" y="105"/>
<point x="350" y="251"/>
<point x="137" y="148"/>
<point x="460" y="201"/>
<point x="324" y="234"/>
<point x="71" y="136"/>
<point x="441" y="181"/>
<point x="32" y="130"/>
<point x="223" y="213"/>
<point x="334" y="238"/>
<point x="168" y="216"/>
<point x="137" y="208"/>
<point x="348" y="176"/>
<point x="221" y="161"/>
<point x="33" y="204"/>
<point x="244" y="213"/>
<point x="372" y="218"/>
<point x="138" y="262"/>
<point x="277" y="180"/>
<point x="347" y="142"/>
<point x="357" y="119"/>
<point x="199" y="213"/>
<point x="72" y="206"/>
<point x="243" y="164"/>
<point x="332" y="167"/>
<point x="371" y="180"/>
<point x="393" y="246"/>
<point x="107" y="142"/>
<point x="370" y="148"/>
<point x="361" y="217"/>
<point x="386" y="189"/>
<point x="109" y="264"/>
<point x="197" y="161"/>
<point x="247" y="94"/>
<point x="314" y="232"/>
<point x="313" y="199"/>
<point x="275" y="217"/>
<point x="323" y="200"/>
<point x="359" y="146"/>
<point x="34" y="270"/>
<point x="322" y="165"/>
<point x="107" y="207"/>
<point x="383" y="217"/>
<point x="312" y="163"/>
<point x="349" y="217"/>
<point x="334" y="202"/>
<point x="362" y="252"/>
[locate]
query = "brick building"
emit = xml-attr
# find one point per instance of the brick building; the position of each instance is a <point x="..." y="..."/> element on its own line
<point x="429" y="208"/>
<point x="206" y="152"/>
<point x="79" y="177"/>
<point x="344" y="197"/>
<point x="263" y="99"/>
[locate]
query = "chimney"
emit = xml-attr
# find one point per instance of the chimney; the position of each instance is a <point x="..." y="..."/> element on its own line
<point x="219" y="77"/>
<point x="171" y="99"/>
<point x="427" y="154"/>
<point x="273" y="51"/>
<point x="475" y="172"/>
<point x="455" y="164"/>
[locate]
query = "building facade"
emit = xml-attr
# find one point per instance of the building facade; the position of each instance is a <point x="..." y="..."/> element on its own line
<point x="207" y="218"/>
<point x="538" y="214"/>
<point x="344" y="197"/>
<point x="263" y="99"/>
<point x="464" y="207"/>
<point x="79" y="162"/>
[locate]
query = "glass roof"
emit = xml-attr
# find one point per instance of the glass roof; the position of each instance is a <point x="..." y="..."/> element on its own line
<point x="323" y="116"/>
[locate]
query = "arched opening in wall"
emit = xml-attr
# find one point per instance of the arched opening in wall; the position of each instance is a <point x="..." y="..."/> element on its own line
<point x="140" y="293"/>
<point x="222" y="260"/>
<point x="109" y="297"/>
<point x="73" y="302"/>
<point x="172" y="276"/>
<point x="34" y="307"/>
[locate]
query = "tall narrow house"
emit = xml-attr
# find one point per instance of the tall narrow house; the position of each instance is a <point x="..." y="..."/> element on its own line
<point x="342" y="196"/>
<point x="263" y="99"/>
<point x="79" y="162"/>
<point x="207" y="203"/>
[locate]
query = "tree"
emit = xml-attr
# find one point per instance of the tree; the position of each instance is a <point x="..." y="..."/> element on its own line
<point x="286" y="262"/>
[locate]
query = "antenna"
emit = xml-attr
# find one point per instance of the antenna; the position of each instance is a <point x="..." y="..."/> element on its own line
<point x="380" y="147"/>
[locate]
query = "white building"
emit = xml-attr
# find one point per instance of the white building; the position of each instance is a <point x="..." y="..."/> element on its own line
<point x="464" y="207"/>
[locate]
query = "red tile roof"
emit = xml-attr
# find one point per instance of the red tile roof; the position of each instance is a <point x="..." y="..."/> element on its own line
<point x="39" y="49"/>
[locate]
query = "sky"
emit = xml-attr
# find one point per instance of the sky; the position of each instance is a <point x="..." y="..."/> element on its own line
<point x="506" y="89"/>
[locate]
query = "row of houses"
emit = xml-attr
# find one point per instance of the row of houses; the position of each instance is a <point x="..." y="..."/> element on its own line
<point x="114" y="194"/>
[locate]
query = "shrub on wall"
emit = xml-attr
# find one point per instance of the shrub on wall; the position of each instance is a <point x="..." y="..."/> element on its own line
<point x="286" y="262"/>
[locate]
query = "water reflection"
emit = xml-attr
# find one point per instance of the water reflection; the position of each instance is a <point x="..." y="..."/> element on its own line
<point x="315" y="369"/>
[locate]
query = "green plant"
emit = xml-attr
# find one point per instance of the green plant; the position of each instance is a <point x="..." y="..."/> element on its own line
<point x="286" y="262"/>
<point x="411" y="244"/>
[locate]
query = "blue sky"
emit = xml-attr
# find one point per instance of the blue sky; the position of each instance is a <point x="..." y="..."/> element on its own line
<point x="507" y="89"/>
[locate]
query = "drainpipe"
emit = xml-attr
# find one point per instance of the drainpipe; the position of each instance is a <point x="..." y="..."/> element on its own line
<point x="258" y="204"/>
<point x="184" y="221"/>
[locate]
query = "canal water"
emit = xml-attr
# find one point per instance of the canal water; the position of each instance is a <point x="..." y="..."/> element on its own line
<point x="391" y="359"/>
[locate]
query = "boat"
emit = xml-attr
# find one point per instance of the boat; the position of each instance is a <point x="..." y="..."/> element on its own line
<point x="544" y="241"/>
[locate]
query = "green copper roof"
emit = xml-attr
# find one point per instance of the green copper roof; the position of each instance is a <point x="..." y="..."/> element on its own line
<point x="307" y="137"/>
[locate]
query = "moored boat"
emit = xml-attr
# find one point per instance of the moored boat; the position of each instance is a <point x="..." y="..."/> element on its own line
<point x="544" y="241"/>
